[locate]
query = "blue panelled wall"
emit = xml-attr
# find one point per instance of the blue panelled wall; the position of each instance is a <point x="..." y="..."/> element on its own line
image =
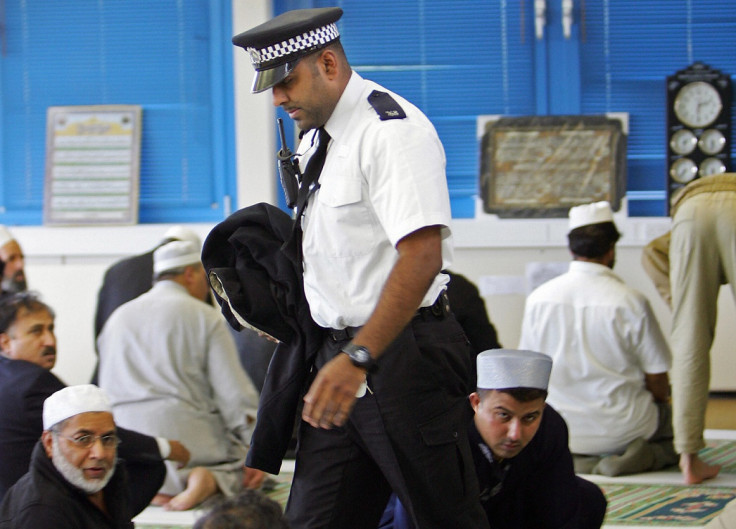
<point x="174" y="58"/>
<point x="459" y="59"/>
<point x="456" y="59"/>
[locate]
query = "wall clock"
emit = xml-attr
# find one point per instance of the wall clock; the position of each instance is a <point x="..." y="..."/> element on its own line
<point x="698" y="125"/>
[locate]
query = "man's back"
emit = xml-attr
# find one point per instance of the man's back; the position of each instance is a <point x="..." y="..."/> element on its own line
<point x="603" y="337"/>
<point x="171" y="369"/>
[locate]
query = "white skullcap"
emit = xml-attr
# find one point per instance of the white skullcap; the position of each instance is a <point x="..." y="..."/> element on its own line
<point x="180" y="233"/>
<point x="72" y="401"/>
<point x="175" y="254"/>
<point x="586" y="214"/>
<point x="5" y="236"/>
<point x="509" y="368"/>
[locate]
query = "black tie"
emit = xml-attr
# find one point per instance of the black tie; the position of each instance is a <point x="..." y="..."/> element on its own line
<point x="309" y="184"/>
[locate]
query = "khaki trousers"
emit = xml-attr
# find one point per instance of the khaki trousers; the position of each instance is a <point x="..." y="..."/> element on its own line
<point x="702" y="258"/>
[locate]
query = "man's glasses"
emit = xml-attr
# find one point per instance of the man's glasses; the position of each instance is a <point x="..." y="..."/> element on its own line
<point x="87" y="441"/>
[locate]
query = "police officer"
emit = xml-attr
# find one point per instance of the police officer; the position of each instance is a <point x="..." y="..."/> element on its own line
<point x="387" y="407"/>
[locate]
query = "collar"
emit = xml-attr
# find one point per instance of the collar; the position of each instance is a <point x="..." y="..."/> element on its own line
<point x="168" y="284"/>
<point x="586" y="267"/>
<point x="349" y="100"/>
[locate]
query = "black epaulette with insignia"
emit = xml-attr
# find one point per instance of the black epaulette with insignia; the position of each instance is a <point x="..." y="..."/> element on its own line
<point x="386" y="106"/>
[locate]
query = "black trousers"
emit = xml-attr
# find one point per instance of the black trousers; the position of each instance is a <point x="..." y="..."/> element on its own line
<point x="408" y="436"/>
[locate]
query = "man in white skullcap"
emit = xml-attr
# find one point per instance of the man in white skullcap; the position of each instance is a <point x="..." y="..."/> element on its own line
<point x="611" y="358"/>
<point x="74" y="480"/>
<point x="130" y="277"/>
<point x="171" y="369"/>
<point x="27" y="355"/>
<point x="519" y="447"/>
<point x="13" y="261"/>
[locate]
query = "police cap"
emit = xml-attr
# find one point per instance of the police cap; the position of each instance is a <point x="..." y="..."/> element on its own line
<point x="276" y="46"/>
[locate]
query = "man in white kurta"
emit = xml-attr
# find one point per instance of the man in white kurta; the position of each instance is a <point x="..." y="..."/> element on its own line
<point x="609" y="379"/>
<point x="170" y="365"/>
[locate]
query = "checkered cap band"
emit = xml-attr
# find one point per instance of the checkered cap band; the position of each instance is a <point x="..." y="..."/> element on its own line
<point x="310" y="40"/>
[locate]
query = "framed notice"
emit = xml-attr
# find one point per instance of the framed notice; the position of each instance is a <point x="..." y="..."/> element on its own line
<point x="541" y="166"/>
<point x="92" y="165"/>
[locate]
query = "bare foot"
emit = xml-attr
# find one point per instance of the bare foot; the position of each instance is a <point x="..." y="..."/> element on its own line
<point x="695" y="470"/>
<point x="201" y="485"/>
<point x="159" y="500"/>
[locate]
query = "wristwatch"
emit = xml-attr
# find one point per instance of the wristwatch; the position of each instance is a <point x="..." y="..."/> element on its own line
<point x="360" y="357"/>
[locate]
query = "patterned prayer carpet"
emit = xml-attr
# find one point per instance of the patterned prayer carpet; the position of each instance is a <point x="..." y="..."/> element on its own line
<point x="720" y="452"/>
<point x="664" y="505"/>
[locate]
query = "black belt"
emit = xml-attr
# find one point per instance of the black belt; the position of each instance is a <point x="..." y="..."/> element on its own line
<point x="437" y="310"/>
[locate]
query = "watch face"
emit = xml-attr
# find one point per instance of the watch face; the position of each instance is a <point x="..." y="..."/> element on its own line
<point x="711" y="166"/>
<point x="683" y="141"/>
<point x="697" y="104"/>
<point x="711" y="141"/>
<point x="683" y="170"/>
<point x="362" y="355"/>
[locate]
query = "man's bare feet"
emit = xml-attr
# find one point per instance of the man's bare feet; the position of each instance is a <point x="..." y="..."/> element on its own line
<point x="201" y="485"/>
<point x="695" y="470"/>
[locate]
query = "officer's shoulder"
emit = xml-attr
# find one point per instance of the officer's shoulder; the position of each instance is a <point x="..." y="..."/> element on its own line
<point x="386" y="106"/>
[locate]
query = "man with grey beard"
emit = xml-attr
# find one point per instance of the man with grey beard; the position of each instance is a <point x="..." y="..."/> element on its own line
<point x="74" y="480"/>
<point x="12" y="263"/>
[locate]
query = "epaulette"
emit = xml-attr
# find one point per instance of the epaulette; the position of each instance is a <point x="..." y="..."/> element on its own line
<point x="386" y="106"/>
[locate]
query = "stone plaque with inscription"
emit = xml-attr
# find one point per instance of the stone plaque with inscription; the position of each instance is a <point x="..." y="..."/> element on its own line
<point x="540" y="166"/>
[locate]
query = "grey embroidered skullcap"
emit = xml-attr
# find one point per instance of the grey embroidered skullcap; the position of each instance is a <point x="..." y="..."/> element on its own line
<point x="510" y="368"/>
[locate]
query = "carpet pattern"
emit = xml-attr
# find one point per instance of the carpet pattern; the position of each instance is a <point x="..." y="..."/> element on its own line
<point x="720" y="452"/>
<point x="664" y="505"/>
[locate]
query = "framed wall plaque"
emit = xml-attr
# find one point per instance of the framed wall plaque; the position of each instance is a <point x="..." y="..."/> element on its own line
<point x="541" y="166"/>
<point x="92" y="165"/>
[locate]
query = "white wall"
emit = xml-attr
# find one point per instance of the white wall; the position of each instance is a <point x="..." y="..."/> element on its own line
<point x="66" y="264"/>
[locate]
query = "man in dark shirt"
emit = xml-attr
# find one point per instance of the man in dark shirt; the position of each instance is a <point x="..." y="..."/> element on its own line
<point x="75" y="480"/>
<point x="27" y="355"/>
<point x="519" y="446"/>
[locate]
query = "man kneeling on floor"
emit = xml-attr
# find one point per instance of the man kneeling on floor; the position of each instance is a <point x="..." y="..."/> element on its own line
<point x="520" y="450"/>
<point x="75" y="480"/>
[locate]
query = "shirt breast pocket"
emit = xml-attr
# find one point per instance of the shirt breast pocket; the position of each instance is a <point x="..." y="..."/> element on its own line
<point x="342" y="219"/>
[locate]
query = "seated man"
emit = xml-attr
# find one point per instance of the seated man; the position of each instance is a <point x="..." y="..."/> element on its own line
<point x="27" y="355"/>
<point x="610" y="380"/>
<point x="171" y="369"/>
<point x="75" y="480"/>
<point x="519" y="446"/>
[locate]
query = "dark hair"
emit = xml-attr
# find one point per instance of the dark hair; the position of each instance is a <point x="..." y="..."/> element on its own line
<point x="593" y="240"/>
<point x="520" y="394"/>
<point x="11" y="305"/>
<point x="250" y="509"/>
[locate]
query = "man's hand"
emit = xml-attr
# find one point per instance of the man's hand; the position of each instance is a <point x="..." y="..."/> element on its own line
<point x="253" y="478"/>
<point x="179" y="453"/>
<point x="332" y="394"/>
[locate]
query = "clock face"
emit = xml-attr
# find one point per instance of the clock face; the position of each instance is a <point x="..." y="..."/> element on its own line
<point x="711" y="166"/>
<point x="683" y="170"/>
<point x="683" y="141"/>
<point x="711" y="141"/>
<point x="698" y="104"/>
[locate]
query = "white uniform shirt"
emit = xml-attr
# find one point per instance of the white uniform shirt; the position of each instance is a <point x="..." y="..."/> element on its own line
<point x="381" y="181"/>
<point x="603" y="337"/>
